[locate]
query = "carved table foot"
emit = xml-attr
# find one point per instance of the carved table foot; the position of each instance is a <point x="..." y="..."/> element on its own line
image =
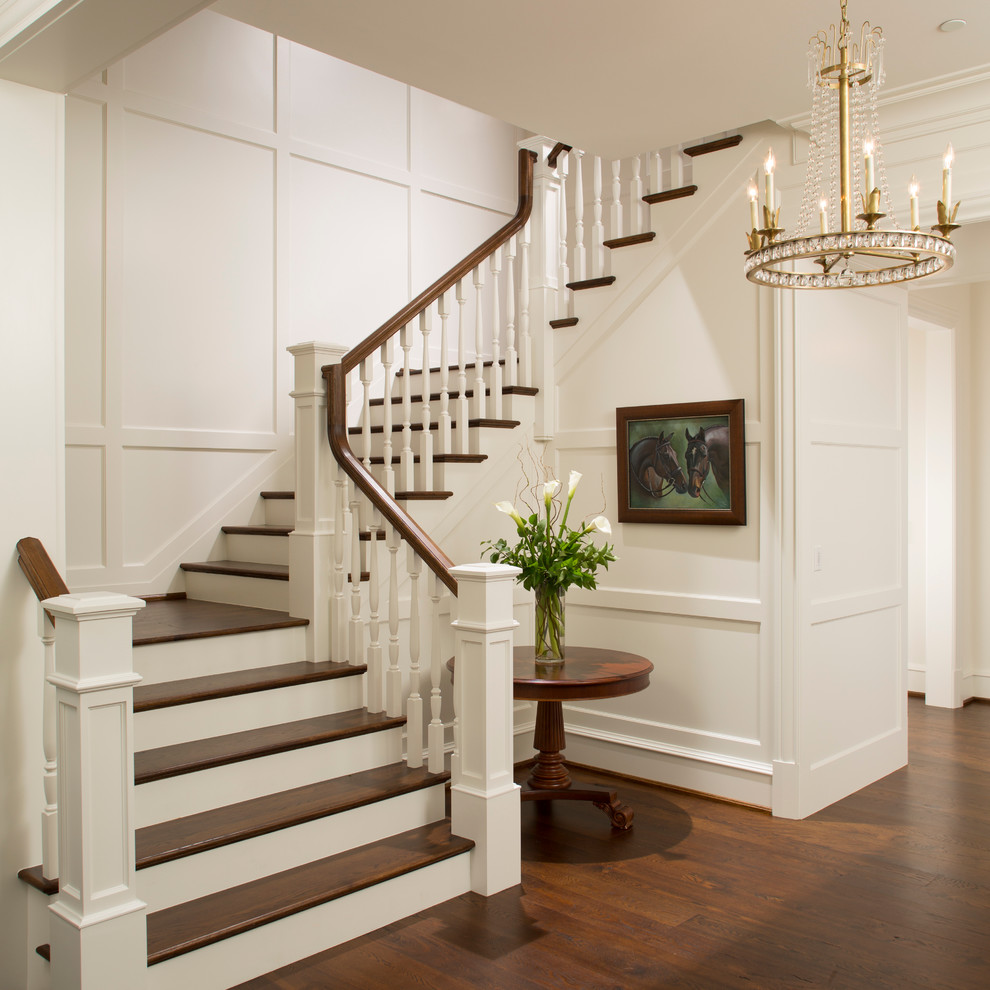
<point x="620" y="815"/>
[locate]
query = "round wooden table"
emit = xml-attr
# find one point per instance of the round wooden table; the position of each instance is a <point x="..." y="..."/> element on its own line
<point x="586" y="673"/>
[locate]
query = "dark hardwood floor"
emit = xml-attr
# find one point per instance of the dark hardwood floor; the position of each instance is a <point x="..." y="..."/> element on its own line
<point x="889" y="888"/>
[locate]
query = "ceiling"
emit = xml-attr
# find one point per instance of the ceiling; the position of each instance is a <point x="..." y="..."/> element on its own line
<point x="626" y="76"/>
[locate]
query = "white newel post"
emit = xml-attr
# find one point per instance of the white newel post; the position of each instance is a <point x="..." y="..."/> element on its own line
<point x="544" y="267"/>
<point x="484" y="796"/>
<point x="311" y="542"/>
<point x="98" y="932"/>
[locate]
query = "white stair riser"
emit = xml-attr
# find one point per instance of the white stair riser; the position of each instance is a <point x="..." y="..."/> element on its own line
<point x="513" y="407"/>
<point x="187" y="794"/>
<point x="280" y="511"/>
<point x="434" y="378"/>
<point x="261" y="549"/>
<point x="236" y="590"/>
<point x="160" y="662"/>
<point x="235" y="960"/>
<point x="240" y="862"/>
<point x="217" y="717"/>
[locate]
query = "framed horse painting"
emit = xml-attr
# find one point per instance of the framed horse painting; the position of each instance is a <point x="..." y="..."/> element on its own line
<point x="682" y="463"/>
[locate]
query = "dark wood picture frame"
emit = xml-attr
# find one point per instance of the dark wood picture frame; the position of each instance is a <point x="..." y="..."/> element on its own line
<point x="656" y="449"/>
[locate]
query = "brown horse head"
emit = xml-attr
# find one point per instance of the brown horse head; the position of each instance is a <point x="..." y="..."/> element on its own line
<point x="696" y="458"/>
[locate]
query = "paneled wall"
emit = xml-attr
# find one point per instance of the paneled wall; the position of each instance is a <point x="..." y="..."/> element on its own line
<point x="31" y="408"/>
<point x="229" y="193"/>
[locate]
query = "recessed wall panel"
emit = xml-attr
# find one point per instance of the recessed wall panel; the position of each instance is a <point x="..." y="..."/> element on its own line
<point x="454" y="144"/>
<point x="348" y="109"/>
<point x="852" y="344"/>
<point x="84" y="263"/>
<point x="853" y="673"/>
<point x="855" y="511"/>
<point x="198" y="280"/>
<point x="210" y="63"/>
<point x="164" y="490"/>
<point x="85" y="494"/>
<point x="346" y="277"/>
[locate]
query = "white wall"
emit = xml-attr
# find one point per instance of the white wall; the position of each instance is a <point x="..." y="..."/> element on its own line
<point x="229" y="194"/>
<point x="31" y="409"/>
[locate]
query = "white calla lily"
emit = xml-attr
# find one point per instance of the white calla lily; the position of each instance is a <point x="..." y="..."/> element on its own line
<point x="510" y="510"/>
<point x="601" y="524"/>
<point x="572" y="483"/>
<point x="550" y="489"/>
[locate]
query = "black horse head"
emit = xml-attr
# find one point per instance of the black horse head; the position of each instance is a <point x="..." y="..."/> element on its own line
<point x="696" y="458"/>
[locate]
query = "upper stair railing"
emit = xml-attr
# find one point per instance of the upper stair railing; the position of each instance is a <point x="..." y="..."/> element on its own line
<point x="374" y="479"/>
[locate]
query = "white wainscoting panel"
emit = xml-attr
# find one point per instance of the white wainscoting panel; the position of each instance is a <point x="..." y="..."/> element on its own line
<point x="228" y="69"/>
<point x="198" y="300"/>
<point x="85" y="474"/>
<point x="341" y="106"/>
<point x="346" y="278"/>
<point x="190" y="480"/>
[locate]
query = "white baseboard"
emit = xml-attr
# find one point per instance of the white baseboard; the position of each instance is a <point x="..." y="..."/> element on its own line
<point x="976" y="686"/>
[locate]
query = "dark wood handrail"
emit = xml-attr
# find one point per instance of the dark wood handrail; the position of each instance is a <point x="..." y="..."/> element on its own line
<point x="555" y="152"/>
<point x="524" y="207"/>
<point x="42" y="574"/>
<point x="336" y="378"/>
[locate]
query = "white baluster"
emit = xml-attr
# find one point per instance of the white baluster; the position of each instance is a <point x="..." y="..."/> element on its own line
<point x="616" y="217"/>
<point x="393" y="679"/>
<point x="435" y="732"/>
<point x="339" y="611"/>
<point x="355" y="639"/>
<point x="463" y="414"/>
<point x="388" y="474"/>
<point x="365" y="371"/>
<point x="598" y="229"/>
<point x="676" y="169"/>
<point x="426" y="439"/>
<point x="525" y="340"/>
<point x="443" y="434"/>
<point x="495" y="400"/>
<point x="405" y="482"/>
<point x="414" y="703"/>
<point x="636" y="203"/>
<point x="564" y="294"/>
<point x="580" y="256"/>
<point x="478" y="399"/>
<point x="376" y="674"/>
<point x="656" y="172"/>
<point x="511" y="357"/>
<point x="49" y="815"/>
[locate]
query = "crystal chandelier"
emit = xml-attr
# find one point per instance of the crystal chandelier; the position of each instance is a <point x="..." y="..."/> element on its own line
<point x="832" y="249"/>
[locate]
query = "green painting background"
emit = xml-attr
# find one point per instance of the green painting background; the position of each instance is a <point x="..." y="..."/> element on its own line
<point x="639" y="499"/>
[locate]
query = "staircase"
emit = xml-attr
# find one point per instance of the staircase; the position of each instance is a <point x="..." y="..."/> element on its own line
<point x="256" y="768"/>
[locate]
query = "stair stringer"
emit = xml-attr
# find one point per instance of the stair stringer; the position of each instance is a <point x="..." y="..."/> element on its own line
<point x="679" y="225"/>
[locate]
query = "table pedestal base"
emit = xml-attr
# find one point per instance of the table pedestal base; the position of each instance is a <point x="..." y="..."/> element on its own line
<point x="550" y="780"/>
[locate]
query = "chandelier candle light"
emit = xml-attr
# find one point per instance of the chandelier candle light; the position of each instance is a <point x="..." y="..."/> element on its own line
<point x="552" y="560"/>
<point x="844" y="77"/>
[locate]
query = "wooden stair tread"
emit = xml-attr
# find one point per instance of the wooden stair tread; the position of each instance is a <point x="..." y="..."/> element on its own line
<point x="209" y="919"/>
<point x="520" y="390"/>
<point x="172" y="619"/>
<point x="429" y="496"/>
<point x="265" y="529"/>
<point x="239" y="568"/>
<point x="167" y="841"/>
<point x="396" y="428"/>
<point x="720" y="144"/>
<point x="498" y="424"/>
<point x="567" y="321"/>
<point x="669" y="194"/>
<point x="628" y="241"/>
<point x="201" y="754"/>
<point x="591" y="283"/>
<point x="278" y="494"/>
<point x="450" y="367"/>
<point x="439" y="459"/>
<point x="45" y="951"/>
<point x="148" y="697"/>
<point x="381" y="533"/>
<point x="397" y="400"/>
<point x="34" y="877"/>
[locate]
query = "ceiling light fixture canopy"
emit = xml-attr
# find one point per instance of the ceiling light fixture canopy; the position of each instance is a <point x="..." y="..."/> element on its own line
<point x="845" y="75"/>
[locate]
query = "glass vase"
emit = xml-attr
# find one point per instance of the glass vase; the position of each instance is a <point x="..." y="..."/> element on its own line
<point x="549" y="637"/>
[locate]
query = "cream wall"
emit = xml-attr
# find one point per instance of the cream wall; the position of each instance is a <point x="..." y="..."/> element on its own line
<point x="31" y="409"/>
<point x="228" y="194"/>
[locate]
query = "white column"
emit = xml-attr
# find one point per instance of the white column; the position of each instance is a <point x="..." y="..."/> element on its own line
<point x="544" y="267"/>
<point x="98" y="937"/>
<point x="49" y="814"/>
<point x="484" y="796"/>
<point x="311" y="542"/>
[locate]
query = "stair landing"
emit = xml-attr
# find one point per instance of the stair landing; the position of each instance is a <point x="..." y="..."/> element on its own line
<point x="166" y="620"/>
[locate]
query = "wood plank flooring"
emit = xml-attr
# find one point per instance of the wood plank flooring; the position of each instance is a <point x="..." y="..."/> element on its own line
<point x="886" y="890"/>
